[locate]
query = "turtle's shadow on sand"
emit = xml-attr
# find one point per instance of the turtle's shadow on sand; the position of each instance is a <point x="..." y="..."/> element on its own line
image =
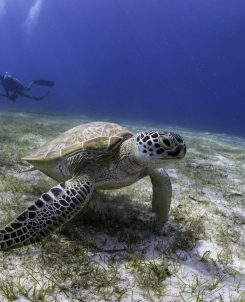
<point x="115" y="227"/>
<point x="118" y="223"/>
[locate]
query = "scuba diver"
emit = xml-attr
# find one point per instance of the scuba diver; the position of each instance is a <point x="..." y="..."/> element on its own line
<point x="14" y="88"/>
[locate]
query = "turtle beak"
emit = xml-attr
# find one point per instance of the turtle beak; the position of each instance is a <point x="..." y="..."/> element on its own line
<point x="178" y="153"/>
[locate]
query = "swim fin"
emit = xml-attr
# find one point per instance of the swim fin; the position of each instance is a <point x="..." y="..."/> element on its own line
<point x="36" y="98"/>
<point x="43" y="83"/>
<point x="39" y="98"/>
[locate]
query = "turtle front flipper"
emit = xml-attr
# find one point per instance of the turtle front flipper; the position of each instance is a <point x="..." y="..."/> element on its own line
<point x="162" y="193"/>
<point x="49" y="212"/>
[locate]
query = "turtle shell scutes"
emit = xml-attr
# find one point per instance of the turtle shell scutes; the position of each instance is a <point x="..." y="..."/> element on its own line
<point x="96" y="136"/>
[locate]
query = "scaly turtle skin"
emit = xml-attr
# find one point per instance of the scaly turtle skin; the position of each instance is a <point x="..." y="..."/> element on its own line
<point x="91" y="156"/>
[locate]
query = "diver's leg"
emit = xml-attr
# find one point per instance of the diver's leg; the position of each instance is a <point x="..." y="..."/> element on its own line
<point x="40" y="83"/>
<point x="29" y="86"/>
<point x="36" y="98"/>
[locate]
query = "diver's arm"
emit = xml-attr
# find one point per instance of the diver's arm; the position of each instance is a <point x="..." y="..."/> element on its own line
<point x="11" y="97"/>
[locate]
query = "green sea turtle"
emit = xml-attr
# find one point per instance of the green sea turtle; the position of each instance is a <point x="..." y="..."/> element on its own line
<point x="97" y="155"/>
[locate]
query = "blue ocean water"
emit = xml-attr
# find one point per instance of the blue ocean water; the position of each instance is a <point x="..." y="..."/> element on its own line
<point x="180" y="62"/>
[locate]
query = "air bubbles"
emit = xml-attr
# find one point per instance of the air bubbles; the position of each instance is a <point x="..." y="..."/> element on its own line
<point x="32" y="16"/>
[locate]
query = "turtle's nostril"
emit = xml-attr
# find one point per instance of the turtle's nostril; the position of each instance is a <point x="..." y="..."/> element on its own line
<point x="184" y="148"/>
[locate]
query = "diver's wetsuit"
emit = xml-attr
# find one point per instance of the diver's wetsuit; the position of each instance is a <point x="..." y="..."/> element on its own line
<point x="11" y="84"/>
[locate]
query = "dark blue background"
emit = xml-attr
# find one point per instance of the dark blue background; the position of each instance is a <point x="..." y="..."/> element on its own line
<point x="180" y="62"/>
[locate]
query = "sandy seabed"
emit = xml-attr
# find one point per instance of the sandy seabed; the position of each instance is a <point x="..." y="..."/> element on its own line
<point x="112" y="251"/>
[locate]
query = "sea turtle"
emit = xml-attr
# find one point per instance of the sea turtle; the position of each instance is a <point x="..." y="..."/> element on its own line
<point x="96" y="155"/>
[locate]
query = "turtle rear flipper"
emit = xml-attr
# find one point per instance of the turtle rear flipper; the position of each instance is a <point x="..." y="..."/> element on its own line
<point x="49" y="212"/>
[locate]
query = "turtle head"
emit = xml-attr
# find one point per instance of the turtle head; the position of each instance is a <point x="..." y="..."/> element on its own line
<point x="157" y="147"/>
